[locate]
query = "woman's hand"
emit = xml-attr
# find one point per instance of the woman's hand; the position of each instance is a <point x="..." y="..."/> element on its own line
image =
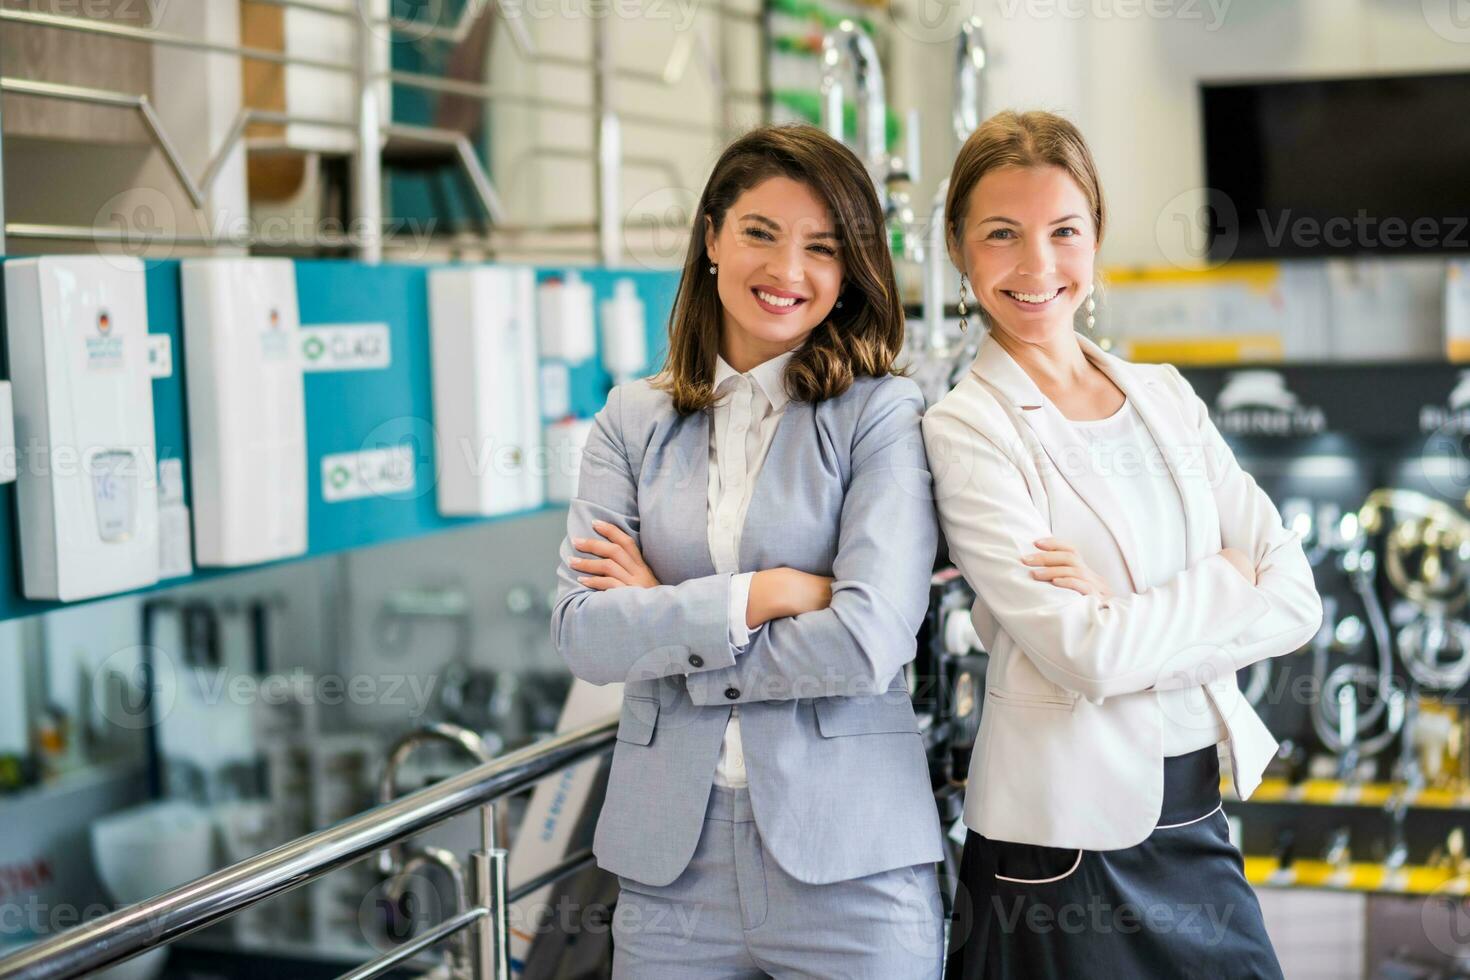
<point x="1241" y="562"/>
<point x="1059" y="564"/>
<point x="778" y="592"/>
<point x="774" y="593"/>
<point x="619" y="562"/>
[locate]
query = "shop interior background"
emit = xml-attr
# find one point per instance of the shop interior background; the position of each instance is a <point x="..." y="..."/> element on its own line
<point x="289" y="683"/>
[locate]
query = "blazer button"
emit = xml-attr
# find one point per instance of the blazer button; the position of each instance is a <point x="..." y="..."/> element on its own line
<point x="732" y="693"/>
<point x="695" y="660"/>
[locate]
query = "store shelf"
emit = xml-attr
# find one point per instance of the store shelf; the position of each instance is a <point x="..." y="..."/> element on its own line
<point x="1381" y="401"/>
<point x="1266" y="872"/>
<point x="79" y="780"/>
<point x="1377" y="400"/>
<point x="351" y="410"/>
<point x="1334" y="792"/>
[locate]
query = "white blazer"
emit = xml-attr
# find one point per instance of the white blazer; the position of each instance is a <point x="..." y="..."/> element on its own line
<point x="1070" y="749"/>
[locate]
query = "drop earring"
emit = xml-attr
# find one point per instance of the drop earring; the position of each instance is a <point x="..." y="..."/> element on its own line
<point x="712" y="268"/>
<point x="964" y="310"/>
<point x="1091" y="307"/>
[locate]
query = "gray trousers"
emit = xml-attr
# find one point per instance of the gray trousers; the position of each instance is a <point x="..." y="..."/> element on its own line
<point x="734" y="913"/>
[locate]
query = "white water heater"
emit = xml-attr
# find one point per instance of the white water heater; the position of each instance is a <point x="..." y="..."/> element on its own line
<point x="247" y="410"/>
<point x="565" y="320"/>
<point x="624" y="333"/>
<point x="565" y="441"/>
<point x="76" y="331"/>
<point x="487" y="415"/>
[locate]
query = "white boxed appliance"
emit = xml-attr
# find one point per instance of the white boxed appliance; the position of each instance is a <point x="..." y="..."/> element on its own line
<point x="77" y="334"/>
<point x="247" y="410"/>
<point x="487" y="416"/>
<point x="564" y="315"/>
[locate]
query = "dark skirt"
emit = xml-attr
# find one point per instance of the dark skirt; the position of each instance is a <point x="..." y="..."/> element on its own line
<point x="1176" y="905"/>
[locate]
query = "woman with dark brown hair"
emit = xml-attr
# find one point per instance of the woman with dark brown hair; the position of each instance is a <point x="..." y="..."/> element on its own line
<point x="1124" y="568"/>
<point x="749" y="553"/>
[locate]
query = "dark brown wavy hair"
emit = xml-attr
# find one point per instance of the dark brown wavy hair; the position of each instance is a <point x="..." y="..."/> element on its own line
<point x="861" y="339"/>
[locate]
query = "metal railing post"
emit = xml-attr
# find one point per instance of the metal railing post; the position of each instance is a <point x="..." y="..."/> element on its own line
<point x="120" y="935"/>
<point x="2" y="167"/>
<point x="608" y="141"/>
<point x="367" y="169"/>
<point x="490" y="866"/>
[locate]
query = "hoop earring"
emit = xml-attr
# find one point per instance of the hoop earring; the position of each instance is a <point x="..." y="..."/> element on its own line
<point x="964" y="310"/>
<point x="712" y="268"/>
<point x="1091" y="307"/>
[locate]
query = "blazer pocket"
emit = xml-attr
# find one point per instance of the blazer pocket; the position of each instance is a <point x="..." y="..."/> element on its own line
<point x="865" y="715"/>
<point x="1034" y="864"/>
<point x="637" y="721"/>
<point x="1056" y="702"/>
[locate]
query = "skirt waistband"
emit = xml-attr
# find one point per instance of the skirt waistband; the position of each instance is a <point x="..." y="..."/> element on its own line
<point x="1191" y="791"/>
<point x="1191" y="786"/>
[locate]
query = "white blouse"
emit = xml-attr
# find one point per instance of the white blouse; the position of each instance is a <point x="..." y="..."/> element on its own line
<point x="742" y="428"/>
<point x="1125" y="453"/>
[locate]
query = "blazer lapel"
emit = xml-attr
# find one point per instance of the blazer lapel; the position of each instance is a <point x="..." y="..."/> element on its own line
<point x="1069" y="454"/>
<point x="689" y="446"/>
<point x="765" y="495"/>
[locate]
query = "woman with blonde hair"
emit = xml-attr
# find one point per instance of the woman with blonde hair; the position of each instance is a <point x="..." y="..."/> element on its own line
<point x="1125" y="567"/>
<point x="749" y="553"/>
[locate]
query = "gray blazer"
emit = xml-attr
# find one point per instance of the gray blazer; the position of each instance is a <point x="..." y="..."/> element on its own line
<point x="837" y="776"/>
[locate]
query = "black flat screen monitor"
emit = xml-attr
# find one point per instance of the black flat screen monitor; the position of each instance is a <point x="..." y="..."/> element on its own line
<point x="1376" y="165"/>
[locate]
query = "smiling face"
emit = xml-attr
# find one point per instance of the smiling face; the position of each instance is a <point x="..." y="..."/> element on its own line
<point x="780" y="269"/>
<point x="1028" y="245"/>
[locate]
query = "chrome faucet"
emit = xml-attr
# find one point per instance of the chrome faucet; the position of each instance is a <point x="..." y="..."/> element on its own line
<point x="1339" y="849"/>
<point x="847" y="50"/>
<point x="390" y="860"/>
<point x="1398" y="846"/>
<point x="1347" y="733"/>
<point x="1410" y="772"/>
<point x="457" y="957"/>
<point x="399" y="865"/>
<point x="972" y="61"/>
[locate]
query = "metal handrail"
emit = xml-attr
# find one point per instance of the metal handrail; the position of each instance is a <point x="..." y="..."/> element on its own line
<point x="342" y="13"/>
<point x="367" y="124"/>
<point x="149" y="35"/>
<point x="464" y="151"/>
<point x="139" y="103"/>
<point x="417" y="944"/>
<point x="138" y="928"/>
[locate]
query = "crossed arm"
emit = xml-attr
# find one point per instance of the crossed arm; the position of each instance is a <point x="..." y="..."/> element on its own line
<point x="1253" y="599"/>
<point x="814" y="636"/>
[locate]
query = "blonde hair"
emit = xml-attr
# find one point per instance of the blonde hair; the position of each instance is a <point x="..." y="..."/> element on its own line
<point x="1021" y="139"/>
